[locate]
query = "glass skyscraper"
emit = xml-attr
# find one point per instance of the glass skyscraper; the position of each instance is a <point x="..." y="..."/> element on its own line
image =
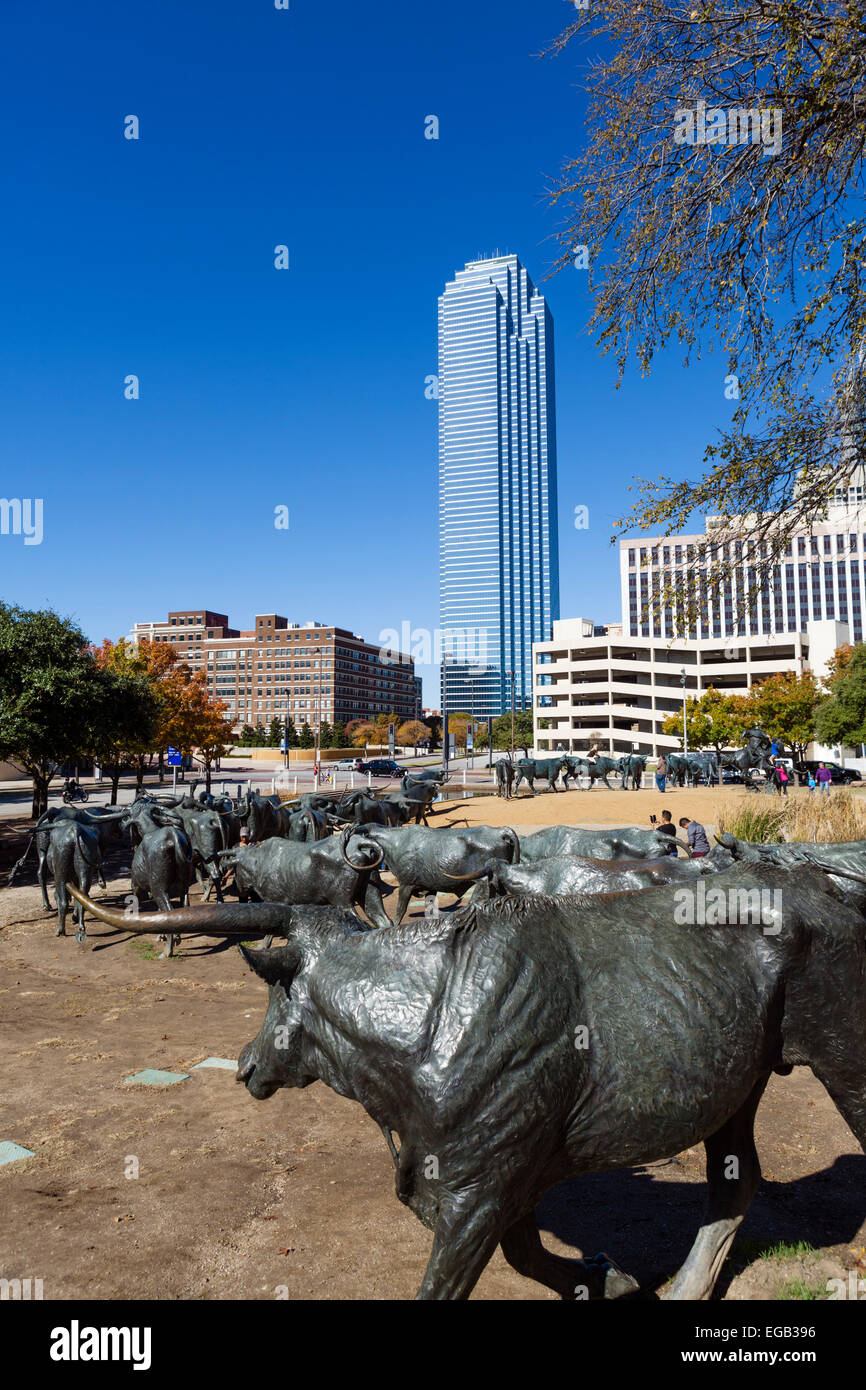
<point x="498" y="543"/>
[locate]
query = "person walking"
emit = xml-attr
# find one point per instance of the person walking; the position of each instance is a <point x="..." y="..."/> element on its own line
<point x="696" y="836"/>
<point x="823" y="778"/>
<point x="811" y="781"/>
<point x="661" y="773"/>
<point x="783" y="779"/>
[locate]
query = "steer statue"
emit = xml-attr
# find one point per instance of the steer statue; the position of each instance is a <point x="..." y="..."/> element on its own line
<point x="163" y="867"/>
<point x="627" y="843"/>
<point x="599" y="769"/>
<point x="631" y="769"/>
<point x="70" y="852"/>
<point x="429" y="862"/>
<point x="573" y="874"/>
<point x="493" y="1040"/>
<point x="503" y="771"/>
<point x="548" y="769"/>
<point x="284" y="871"/>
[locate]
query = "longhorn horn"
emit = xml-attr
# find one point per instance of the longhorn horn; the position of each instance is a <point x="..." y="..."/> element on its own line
<point x="344" y="840"/>
<point x="89" y="819"/>
<point x="219" y="919"/>
<point x="832" y="868"/>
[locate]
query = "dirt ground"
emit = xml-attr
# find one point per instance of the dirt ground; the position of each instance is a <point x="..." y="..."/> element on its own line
<point x="600" y="807"/>
<point x="294" y="1197"/>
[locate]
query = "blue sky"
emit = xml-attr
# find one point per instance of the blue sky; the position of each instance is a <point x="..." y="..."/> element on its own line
<point x="302" y="388"/>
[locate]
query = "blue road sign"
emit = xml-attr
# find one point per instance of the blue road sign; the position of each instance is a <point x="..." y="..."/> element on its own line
<point x="174" y="758"/>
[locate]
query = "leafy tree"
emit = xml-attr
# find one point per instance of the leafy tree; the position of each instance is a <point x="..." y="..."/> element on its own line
<point x="213" y="734"/>
<point x="501" y="734"/>
<point x="524" y="733"/>
<point x="190" y="719"/>
<point x="306" y="739"/>
<point x="719" y="243"/>
<point x="458" y="723"/>
<point x="434" y="724"/>
<point x="841" y="715"/>
<point x="413" y="731"/>
<point x="49" y="700"/>
<point x="131" y="706"/>
<point x="372" y="731"/>
<point x="713" y="720"/>
<point x="361" y="733"/>
<point x="784" y="706"/>
<point x="837" y="664"/>
<point x="125" y="721"/>
<point x="326" y="735"/>
<point x="275" y="733"/>
<point x="340" y="737"/>
<point x="247" y="735"/>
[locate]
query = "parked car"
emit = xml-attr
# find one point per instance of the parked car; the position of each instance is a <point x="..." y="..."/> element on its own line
<point x="382" y="767"/>
<point x="731" y="776"/>
<point x="349" y="764"/>
<point x="844" y="776"/>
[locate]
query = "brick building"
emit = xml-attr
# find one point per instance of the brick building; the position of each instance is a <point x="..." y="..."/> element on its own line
<point x="308" y="671"/>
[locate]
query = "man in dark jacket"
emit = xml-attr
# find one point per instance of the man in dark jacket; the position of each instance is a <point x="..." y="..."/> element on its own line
<point x="666" y="827"/>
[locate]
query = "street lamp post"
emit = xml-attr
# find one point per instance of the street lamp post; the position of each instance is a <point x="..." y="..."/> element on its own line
<point x="445" y="659"/>
<point x="471" y="720"/>
<point x="685" y="730"/>
<point x="512" y="677"/>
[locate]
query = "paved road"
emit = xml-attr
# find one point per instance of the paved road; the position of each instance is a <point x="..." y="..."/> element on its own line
<point x="16" y="797"/>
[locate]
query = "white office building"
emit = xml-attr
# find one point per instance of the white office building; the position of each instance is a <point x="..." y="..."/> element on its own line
<point x="617" y="685"/>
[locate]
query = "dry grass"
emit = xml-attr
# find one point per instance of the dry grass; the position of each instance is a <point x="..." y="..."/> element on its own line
<point x="821" y="819"/>
<point x="757" y="819"/>
<point x="836" y="816"/>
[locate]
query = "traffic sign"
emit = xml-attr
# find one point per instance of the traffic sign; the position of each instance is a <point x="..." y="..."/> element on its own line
<point x="174" y="758"/>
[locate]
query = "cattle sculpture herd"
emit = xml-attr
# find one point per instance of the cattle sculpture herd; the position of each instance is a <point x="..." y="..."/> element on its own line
<point x="562" y="1021"/>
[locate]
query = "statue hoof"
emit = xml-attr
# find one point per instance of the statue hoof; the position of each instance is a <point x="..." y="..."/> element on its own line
<point x="616" y="1282"/>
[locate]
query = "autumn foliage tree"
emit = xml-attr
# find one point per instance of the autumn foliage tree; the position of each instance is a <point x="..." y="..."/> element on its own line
<point x="190" y="720"/>
<point x="412" y="732"/>
<point x="372" y="732"/>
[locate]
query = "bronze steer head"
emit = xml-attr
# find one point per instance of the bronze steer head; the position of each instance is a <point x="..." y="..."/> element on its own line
<point x="275" y="1057"/>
